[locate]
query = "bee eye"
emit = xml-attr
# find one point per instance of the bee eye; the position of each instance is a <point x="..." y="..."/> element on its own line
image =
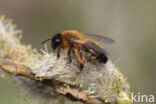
<point x="57" y="40"/>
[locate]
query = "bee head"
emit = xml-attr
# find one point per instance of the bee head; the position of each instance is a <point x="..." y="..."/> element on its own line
<point x="56" y="41"/>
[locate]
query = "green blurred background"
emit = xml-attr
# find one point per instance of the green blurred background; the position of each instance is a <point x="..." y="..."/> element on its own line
<point x="131" y="23"/>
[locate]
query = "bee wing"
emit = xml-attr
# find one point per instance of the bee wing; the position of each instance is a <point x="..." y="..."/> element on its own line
<point x="77" y="41"/>
<point x="90" y="46"/>
<point x="100" y="39"/>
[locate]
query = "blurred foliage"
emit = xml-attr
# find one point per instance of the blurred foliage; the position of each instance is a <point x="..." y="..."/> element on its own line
<point x="131" y="23"/>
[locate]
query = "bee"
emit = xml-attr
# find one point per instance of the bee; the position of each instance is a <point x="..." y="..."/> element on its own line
<point x="78" y="44"/>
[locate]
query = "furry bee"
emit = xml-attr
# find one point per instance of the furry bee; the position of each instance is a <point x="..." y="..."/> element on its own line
<point x="78" y="43"/>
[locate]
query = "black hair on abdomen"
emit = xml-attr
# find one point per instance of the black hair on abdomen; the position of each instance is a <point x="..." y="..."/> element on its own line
<point x="102" y="58"/>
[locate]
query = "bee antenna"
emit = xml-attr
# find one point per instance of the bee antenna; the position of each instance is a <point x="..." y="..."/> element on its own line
<point x="45" y="41"/>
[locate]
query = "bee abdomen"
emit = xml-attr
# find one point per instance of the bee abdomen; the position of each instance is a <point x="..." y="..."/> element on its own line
<point x="102" y="58"/>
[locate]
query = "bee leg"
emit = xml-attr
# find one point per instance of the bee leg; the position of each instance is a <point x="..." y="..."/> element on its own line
<point x="80" y="58"/>
<point x="69" y="54"/>
<point x="81" y="67"/>
<point x="58" y="52"/>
